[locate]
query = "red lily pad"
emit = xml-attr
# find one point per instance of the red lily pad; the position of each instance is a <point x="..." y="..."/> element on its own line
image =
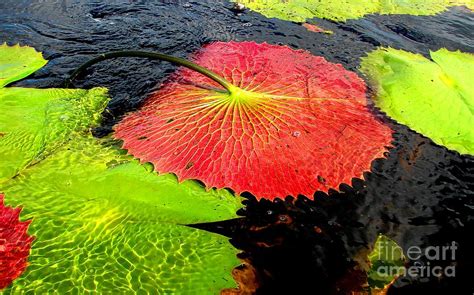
<point x="15" y="244"/>
<point x="294" y="124"/>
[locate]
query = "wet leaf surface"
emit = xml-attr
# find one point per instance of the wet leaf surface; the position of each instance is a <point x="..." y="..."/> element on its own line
<point x="342" y="10"/>
<point x="435" y="98"/>
<point x="15" y="244"/>
<point x="104" y="222"/>
<point x="295" y="124"/>
<point x="18" y="62"/>
<point x="34" y="122"/>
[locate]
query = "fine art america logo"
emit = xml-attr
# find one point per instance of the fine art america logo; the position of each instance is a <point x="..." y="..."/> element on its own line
<point x="423" y="262"/>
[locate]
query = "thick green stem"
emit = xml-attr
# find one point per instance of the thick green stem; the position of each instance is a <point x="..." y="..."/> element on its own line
<point x="152" y="55"/>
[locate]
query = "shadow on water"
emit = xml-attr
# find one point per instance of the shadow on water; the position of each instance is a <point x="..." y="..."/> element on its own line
<point x="420" y="195"/>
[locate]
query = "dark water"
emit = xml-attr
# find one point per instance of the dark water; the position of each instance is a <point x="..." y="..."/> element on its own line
<point x="421" y="195"/>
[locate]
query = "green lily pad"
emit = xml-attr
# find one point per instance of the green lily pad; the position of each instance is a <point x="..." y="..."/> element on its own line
<point x="34" y="122"/>
<point x="17" y="62"/>
<point x="342" y="10"/>
<point x="103" y="223"/>
<point x="433" y="97"/>
<point x="387" y="263"/>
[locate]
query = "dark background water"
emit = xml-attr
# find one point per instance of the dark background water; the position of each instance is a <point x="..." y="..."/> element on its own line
<point x="421" y="195"/>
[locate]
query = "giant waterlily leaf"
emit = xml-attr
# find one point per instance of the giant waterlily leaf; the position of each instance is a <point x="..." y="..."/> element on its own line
<point x="14" y="244"/>
<point x="435" y="98"/>
<point x="104" y="223"/>
<point x="342" y="10"/>
<point x="33" y="122"/>
<point x="17" y="62"/>
<point x="292" y="124"/>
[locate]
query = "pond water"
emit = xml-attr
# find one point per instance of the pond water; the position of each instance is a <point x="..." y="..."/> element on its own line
<point x="421" y="195"/>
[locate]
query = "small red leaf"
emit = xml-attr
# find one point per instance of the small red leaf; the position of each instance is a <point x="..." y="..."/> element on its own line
<point x="298" y="123"/>
<point x="15" y="244"/>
